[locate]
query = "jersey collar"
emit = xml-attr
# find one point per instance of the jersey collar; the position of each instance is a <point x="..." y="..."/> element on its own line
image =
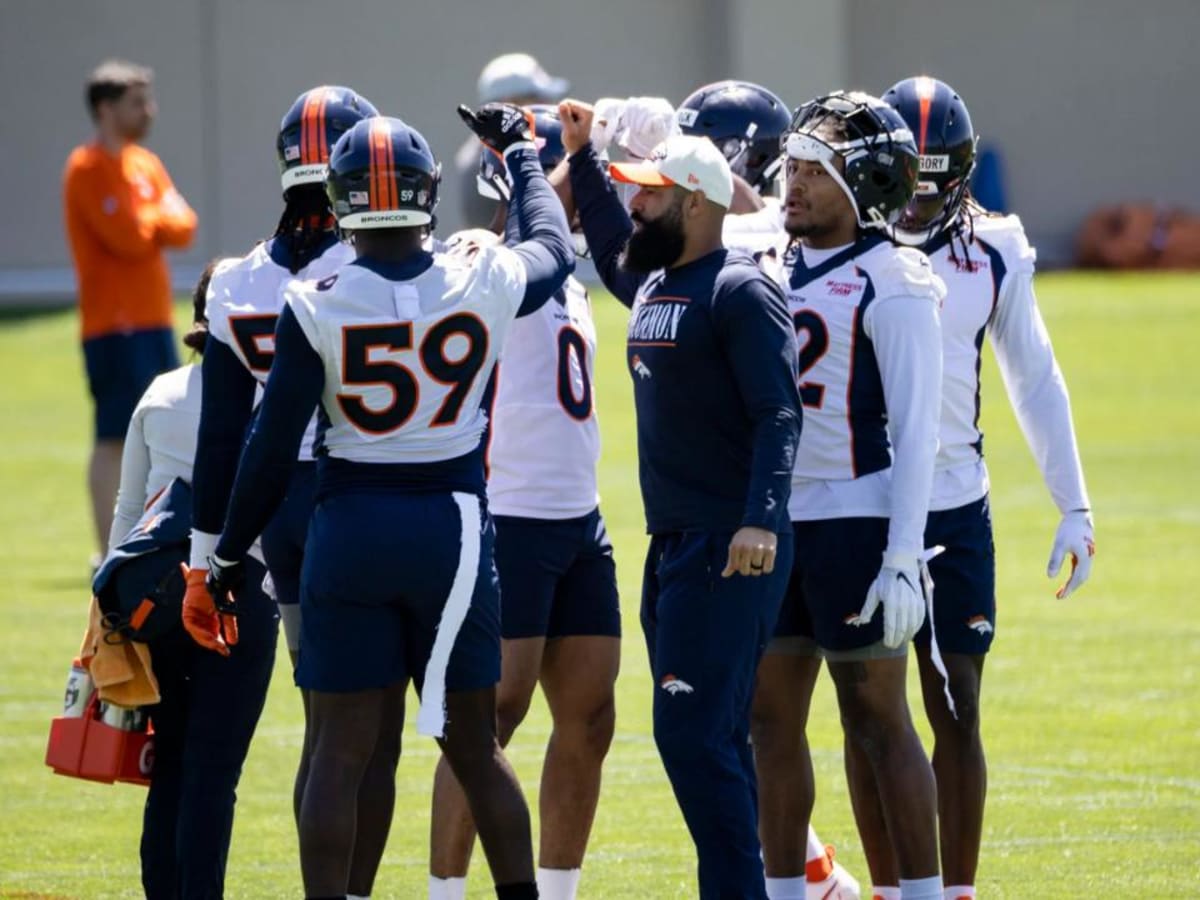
<point x="802" y="274"/>
<point x="397" y="271"/>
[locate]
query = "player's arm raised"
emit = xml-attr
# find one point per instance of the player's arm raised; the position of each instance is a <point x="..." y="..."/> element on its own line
<point x="1039" y="398"/>
<point x="546" y="252"/>
<point x="605" y="223"/>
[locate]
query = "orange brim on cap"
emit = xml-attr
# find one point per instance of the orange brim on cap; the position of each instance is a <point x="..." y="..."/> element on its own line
<point x="639" y="173"/>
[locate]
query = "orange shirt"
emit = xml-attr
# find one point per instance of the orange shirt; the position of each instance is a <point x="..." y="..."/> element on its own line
<point x="121" y="211"/>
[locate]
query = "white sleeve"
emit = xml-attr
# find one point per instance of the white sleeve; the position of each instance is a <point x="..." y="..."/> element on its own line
<point x="500" y="275"/>
<point x="135" y="470"/>
<point x="906" y="334"/>
<point x="1037" y="391"/>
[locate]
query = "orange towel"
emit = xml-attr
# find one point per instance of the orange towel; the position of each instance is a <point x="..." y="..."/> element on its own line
<point x="122" y="671"/>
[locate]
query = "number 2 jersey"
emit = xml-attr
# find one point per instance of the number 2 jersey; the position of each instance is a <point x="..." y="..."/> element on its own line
<point x="869" y="359"/>
<point x="544" y="440"/>
<point x="987" y="265"/>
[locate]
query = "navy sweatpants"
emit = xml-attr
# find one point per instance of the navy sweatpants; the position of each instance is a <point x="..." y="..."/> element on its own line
<point x="705" y="635"/>
<point x="203" y="726"/>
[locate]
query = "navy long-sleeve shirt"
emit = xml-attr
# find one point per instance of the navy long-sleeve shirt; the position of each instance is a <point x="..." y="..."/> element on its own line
<point x="297" y="377"/>
<point x="712" y="354"/>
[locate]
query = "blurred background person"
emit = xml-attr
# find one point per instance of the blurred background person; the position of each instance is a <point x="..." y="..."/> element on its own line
<point x="121" y="210"/>
<point x="515" y="78"/>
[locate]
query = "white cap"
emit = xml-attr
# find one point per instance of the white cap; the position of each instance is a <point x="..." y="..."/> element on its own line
<point x="693" y="163"/>
<point x="517" y="76"/>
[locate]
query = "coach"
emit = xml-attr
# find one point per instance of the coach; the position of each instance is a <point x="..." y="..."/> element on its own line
<point x="121" y="210"/>
<point x="712" y="355"/>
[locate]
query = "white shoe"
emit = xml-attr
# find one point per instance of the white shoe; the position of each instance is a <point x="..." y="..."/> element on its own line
<point x="840" y="885"/>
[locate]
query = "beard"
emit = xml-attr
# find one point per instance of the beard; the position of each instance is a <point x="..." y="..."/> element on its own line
<point x="656" y="244"/>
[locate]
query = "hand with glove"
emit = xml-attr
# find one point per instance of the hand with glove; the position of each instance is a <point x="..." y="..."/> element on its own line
<point x="1075" y="537"/>
<point x="212" y="623"/>
<point x="606" y="122"/>
<point x="897" y="588"/>
<point x="645" y="123"/>
<point x="499" y="125"/>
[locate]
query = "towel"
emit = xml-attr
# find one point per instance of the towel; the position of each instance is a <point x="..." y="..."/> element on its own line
<point x="121" y="669"/>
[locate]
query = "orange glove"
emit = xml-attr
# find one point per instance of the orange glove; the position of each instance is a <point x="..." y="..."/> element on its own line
<point x="208" y="628"/>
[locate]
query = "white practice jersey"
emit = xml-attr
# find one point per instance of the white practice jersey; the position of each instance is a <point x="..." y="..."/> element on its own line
<point x="407" y="362"/>
<point x="990" y="291"/>
<point x="160" y="445"/>
<point x="867" y="332"/>
<point x="545" y="439"/>
<point x="245" y="298"/>
<point x="756" y="231"/>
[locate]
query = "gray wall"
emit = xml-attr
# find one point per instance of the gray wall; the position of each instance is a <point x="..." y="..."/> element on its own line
<point x="1090" y="101"/>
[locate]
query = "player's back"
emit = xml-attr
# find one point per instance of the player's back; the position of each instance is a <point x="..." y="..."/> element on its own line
<point x="407" y="349"/>
<point x="545" y="439"/>
<point x="975" y="262"/>
<point x="245" y="297"/>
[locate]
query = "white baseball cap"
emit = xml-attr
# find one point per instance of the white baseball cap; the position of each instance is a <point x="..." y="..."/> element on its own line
<point x="519" y="75"/>
<point x="693" y="163"/>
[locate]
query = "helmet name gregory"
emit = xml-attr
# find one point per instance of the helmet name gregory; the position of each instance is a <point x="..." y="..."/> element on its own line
<point x="935" y="162"/>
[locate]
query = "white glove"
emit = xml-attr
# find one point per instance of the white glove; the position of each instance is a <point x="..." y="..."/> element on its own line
<point x="898" y="588"/>
<point x="645" y="123"/>
<point x="1074" y="537"/>
<point x="605" y="121"/>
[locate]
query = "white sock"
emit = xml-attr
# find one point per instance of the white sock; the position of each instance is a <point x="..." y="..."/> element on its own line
<point x="358" y="897"/>
<point x="921" y="888"/>
<point x="885" y="893"/>
<point x="557" y="884"/>
<point x="815" y="848"/>
<point x="960" y="892"/>
<point x="447" y="888"/>
<point x="786" y="888"/>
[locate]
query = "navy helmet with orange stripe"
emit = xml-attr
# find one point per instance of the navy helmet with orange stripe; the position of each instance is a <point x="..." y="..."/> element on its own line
<point x="745" y="121"/>
<point x="940" y="122"/>
<point x="311" y="127"/>
<point x="382" y="174"/>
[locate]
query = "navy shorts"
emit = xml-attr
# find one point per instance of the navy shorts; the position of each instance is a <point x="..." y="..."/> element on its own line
<point x="284" y="537"/>
<point x="119" y="369"/>
<point x="964" y="579"/>
<point x="836" y="560"/>
<point x="382" y="597"/>
<point x="557" y="577"/>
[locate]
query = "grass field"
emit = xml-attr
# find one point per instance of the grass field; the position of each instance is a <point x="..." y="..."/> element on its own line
<point x="1091" y="710"/>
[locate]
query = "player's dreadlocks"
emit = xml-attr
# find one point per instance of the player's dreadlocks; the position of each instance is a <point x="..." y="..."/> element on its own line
<point x="305" y="224"/>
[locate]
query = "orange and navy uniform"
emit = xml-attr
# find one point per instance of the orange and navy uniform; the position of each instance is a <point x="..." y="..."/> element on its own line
<point x="120" y="212"/>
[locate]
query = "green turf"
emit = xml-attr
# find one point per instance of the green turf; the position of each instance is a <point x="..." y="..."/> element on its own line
<point x="1091" y="708"/>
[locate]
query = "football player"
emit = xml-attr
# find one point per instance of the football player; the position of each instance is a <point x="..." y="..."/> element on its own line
<point x="560" y="617"/>
<point x="987" y="265"/>
<point x="399" y="581"/>
<point x="866" y="318"/>
<point x="244" y="301"/>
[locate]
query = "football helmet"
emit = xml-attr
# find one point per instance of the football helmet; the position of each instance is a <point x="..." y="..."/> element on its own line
<point x="938" y="118"/>
<point x="744" y="120"/>
<point x="310" y="129"/>
<point x="382" y="174"/>
<point x="492" y="180"/>
<point x="876" y="147"/>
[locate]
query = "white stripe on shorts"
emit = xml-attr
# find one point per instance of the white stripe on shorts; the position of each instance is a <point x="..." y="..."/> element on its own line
<point x="431" y="719"/>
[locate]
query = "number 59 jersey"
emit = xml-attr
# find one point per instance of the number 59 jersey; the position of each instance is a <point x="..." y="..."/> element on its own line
<point x="545" y="440"/>
<point x="407" y="361"/>
<point x="245" y="297"/>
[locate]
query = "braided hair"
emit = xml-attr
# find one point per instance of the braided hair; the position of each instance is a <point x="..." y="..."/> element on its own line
<point x="305" y="224"/>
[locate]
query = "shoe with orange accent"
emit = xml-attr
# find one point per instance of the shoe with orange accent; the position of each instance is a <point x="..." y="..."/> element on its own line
<point x="828" y="880"/>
